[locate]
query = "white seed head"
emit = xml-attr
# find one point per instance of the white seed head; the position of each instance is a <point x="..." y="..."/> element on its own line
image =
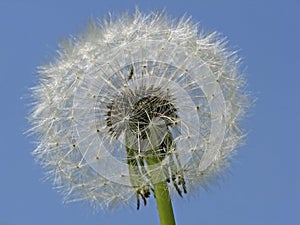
<point x="142" y="83"/>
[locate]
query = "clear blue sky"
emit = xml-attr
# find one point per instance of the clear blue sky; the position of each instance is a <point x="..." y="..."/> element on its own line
<point x="263" y="186"/>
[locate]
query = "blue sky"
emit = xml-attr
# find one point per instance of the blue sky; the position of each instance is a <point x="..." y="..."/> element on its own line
<point x="262" y="186"/>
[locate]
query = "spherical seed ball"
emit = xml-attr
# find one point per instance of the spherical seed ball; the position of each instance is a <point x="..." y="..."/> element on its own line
<point x="137" y="85"/>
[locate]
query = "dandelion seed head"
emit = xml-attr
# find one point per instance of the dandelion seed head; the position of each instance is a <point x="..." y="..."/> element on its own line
<point x="131" y="82"/>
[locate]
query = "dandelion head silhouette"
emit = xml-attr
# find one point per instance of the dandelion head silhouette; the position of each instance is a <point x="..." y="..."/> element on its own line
<point x="132" y="95"/>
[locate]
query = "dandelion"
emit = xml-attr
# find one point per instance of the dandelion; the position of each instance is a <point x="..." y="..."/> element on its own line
<point x="138" y="106"/>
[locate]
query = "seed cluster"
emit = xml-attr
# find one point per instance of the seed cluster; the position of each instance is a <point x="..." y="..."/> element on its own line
<point x="143" y="112"/>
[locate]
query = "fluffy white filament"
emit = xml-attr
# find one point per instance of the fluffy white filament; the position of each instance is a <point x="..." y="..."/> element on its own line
<point x="84" y="100"/>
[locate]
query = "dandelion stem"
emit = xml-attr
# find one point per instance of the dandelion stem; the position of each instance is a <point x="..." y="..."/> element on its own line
<point x="161" y="191"/>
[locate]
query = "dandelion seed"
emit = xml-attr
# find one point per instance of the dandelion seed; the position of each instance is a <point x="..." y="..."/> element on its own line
<point x="134" y="102"/>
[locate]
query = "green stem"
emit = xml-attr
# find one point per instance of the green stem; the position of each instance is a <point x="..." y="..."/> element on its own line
<point x="164" y="204"/>
<point x="162" y="195"/>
